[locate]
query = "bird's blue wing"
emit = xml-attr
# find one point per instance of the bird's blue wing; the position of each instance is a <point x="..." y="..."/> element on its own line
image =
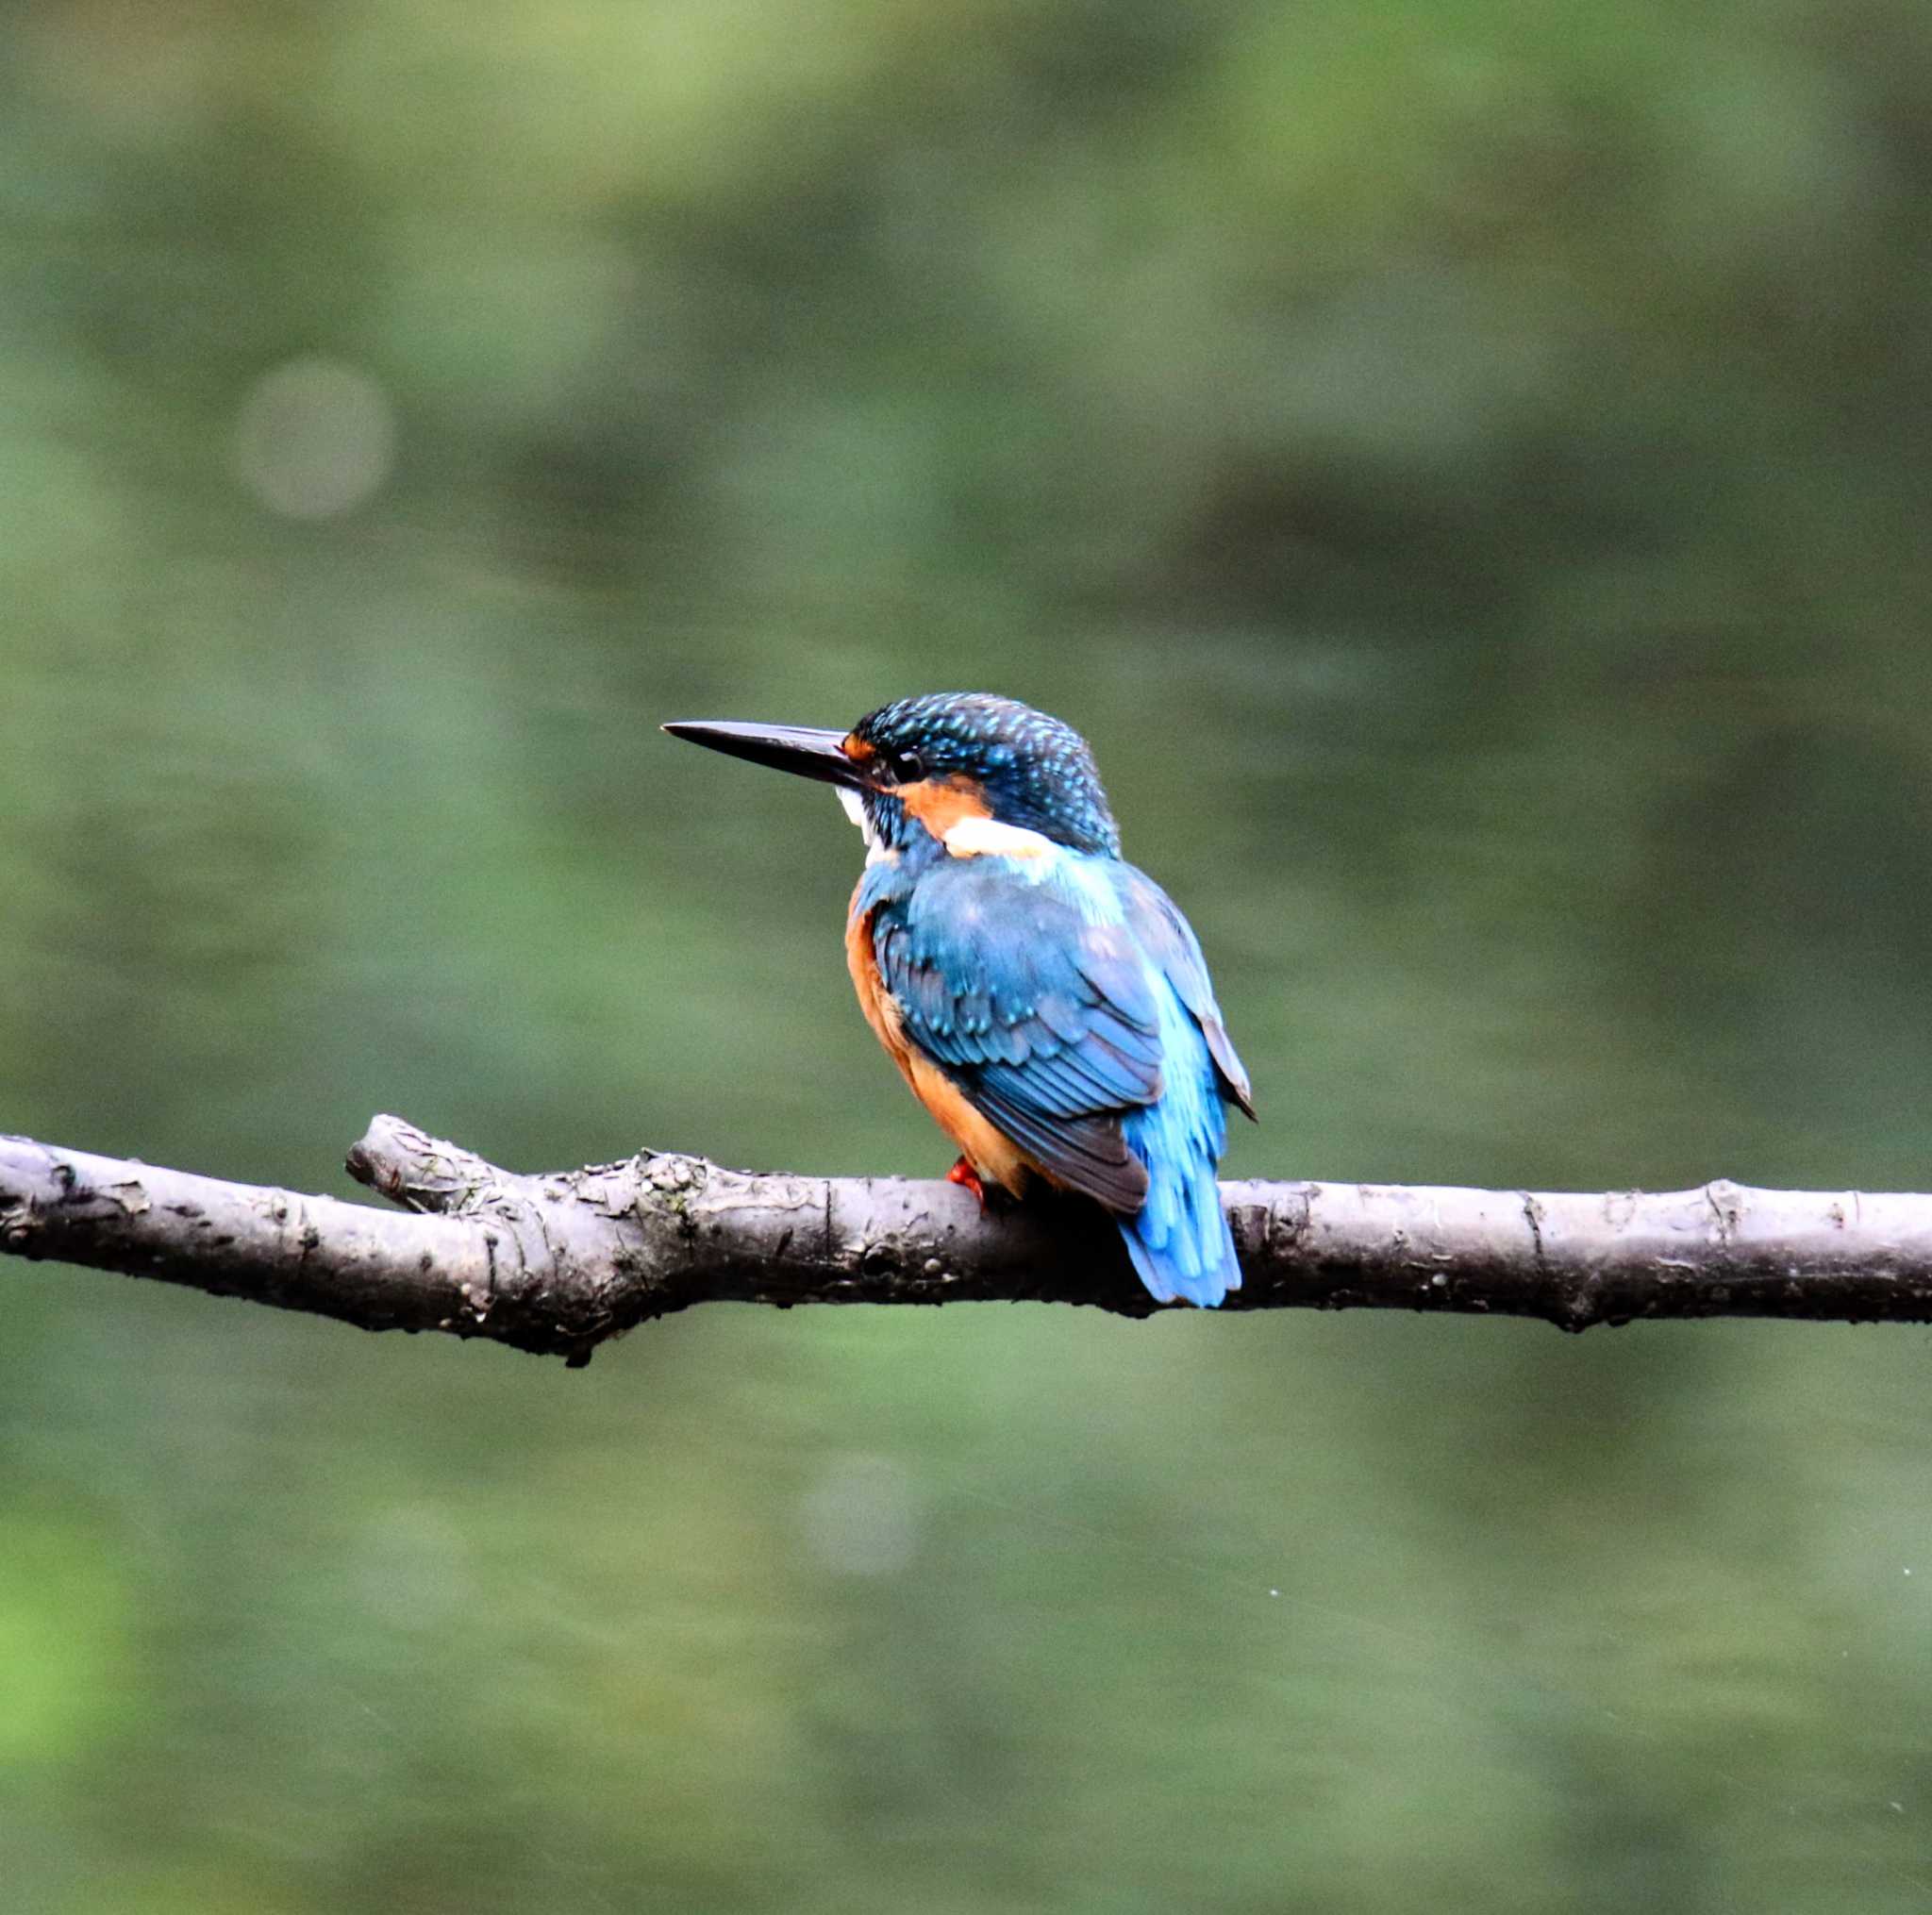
<point x="1068" y="1000"/>
<point x="1169" y="939"/>
<point x="1026" y="986"/>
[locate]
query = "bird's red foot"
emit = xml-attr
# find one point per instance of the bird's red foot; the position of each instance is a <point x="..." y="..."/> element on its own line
<point x="967" y="1178"/>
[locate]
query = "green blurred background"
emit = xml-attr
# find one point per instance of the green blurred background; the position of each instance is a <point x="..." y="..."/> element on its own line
<point x="1466" y="467"/>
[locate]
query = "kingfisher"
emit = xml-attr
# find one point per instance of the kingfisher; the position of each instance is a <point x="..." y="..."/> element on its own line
<point x="1046" y="1001"/>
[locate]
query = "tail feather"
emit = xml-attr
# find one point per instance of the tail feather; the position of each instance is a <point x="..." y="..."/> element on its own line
<point x="1192" y="1265"/>
<point x="1179" y="1240"/>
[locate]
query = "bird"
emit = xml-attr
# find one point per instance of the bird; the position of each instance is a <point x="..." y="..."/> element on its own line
<point x="1045" y="1000"/>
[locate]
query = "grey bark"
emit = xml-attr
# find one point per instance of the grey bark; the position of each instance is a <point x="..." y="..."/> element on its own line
<point x="558" y="1264"/>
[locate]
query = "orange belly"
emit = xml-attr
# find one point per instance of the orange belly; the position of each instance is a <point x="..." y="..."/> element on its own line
<point x="989" y="1150"/>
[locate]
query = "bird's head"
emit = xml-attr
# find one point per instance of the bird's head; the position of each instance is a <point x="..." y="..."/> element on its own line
<point x="934" y="764"/>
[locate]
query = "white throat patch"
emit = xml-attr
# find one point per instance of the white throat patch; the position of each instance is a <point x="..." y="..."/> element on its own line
<point x="853" y="808"/>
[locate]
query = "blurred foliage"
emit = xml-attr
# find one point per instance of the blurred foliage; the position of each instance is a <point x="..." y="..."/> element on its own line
<point x="1466" y="468"/>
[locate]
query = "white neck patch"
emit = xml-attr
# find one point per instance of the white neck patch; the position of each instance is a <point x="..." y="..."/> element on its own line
<point x="969" y="837"/>
<point x="989" y="838"/>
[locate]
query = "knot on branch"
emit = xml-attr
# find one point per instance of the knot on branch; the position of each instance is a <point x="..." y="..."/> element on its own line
<point x="419" y="1172"/>
<point x="570" y="1259"/>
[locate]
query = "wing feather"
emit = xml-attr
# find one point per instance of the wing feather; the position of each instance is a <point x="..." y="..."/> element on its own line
<point x="1039" y="995"/>
<point x="1170" y="940"/>
<point x="1042" y="1018"/>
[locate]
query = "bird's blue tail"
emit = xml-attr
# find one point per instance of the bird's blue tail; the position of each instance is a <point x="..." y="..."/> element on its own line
<point x="1179" y="1240"/>
<point x="1194" y="1261"/>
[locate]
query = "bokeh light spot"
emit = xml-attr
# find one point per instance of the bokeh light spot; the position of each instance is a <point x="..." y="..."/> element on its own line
<point x="315" y="438"/>
<point x="861" y="1517"/>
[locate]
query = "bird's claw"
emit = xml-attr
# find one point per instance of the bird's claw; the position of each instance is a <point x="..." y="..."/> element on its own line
<point x="967" y="1178"/>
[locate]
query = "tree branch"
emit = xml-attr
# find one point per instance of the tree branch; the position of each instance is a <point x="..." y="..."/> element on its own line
<point x="558" y="1264"/>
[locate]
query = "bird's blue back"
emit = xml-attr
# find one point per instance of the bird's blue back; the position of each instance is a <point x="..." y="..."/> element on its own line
<point x="1066" y="997"/>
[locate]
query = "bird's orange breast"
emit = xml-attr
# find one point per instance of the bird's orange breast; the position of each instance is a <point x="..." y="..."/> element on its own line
<point x="987" y="1148"/>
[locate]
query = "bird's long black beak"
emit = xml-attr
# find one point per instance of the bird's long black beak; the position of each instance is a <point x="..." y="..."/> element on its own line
<point x="785" y="747"/>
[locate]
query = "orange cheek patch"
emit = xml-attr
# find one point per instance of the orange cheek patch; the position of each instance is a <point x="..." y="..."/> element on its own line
<point x="939" y="804"/>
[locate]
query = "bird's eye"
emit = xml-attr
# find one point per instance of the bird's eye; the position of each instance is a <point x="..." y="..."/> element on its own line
<point x="910" y="767"/>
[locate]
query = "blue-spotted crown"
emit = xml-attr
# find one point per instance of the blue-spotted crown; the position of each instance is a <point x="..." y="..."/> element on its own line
<point x="1037" y="772"/>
